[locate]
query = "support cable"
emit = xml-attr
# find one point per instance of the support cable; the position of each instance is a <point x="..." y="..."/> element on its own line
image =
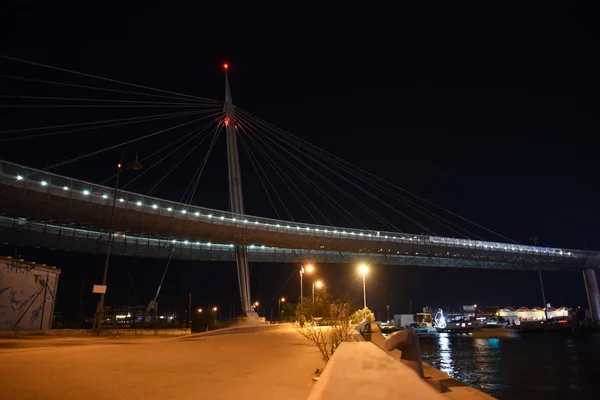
<point x="125" y="143"/>
<point x="179" y="163"/>
<point x="242" y="128"/>
<point x="139" y="119"/>
<point x="195" y="134"/>
<point x="284" y="178"/>
<point x="152" y="155"/>
<point x="404" y="201"/>
<point x="190" y="184"/>
<point x="397" y="197"/>
<point x="262" y="183"/>
<point x="317" y="149"/>
<point x="97" y="106"/>
<point x="103" y="89"/>
<point x="40" y="128"/>
<point x="312" y="184"/>
<point x="11" y="96"/>
<point x="101" y="78"/>
<point x="204" y="162"/>
<point x="253" y="156"/>
<point x="344" y="192"/>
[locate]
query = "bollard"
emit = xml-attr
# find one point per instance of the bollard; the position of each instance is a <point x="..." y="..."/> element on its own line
<point x="364" y="328"/>
<point x="408" y="342"/>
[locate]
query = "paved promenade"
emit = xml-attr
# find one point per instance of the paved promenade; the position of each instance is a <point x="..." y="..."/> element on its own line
<point x="262" y="365"/>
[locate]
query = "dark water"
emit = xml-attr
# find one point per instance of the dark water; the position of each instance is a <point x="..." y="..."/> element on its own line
<point x="530" y="366"/>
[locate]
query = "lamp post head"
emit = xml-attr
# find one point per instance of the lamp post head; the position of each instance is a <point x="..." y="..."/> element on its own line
<point x="256" y="304"/>
<point x="214" y="309"/>
<point x="135" y="165"/>
<point x="199" y="310"/>
<point x="363" y="269"/>
<point x="282" y="299"/>
<point x="310" y="268"/>
<point x="319" y="284"/>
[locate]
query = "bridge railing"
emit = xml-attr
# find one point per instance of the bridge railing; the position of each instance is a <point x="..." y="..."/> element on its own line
<point x="61" y="186"/>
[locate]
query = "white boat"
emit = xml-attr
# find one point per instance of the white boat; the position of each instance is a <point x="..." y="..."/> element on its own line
<point x="426" y="330"/>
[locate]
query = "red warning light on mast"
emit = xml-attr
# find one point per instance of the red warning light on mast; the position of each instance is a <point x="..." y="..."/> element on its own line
<point x="226" y="66"/>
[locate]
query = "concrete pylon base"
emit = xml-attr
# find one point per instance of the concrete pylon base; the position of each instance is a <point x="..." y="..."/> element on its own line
<point x="593" y="293"/>
<point x="251" y="318"/>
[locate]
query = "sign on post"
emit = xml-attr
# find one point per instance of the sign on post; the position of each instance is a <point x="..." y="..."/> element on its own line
<point x="99" y="289"/>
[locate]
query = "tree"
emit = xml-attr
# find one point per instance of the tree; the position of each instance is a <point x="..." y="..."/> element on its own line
<point x="288" y="311"/>
<point x="359" y="316"/>
<point x="327" y="339"/>
<point x="203" y="321"/>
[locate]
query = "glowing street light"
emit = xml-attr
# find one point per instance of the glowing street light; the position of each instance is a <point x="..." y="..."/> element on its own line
<point x="363" y="269"/>
<point x="215" y="309"/>
<point x="134" y="165"/>
<point x="199" y="310"/>
<point x="308" y="268"/>
<point x="281" y="300"/>
<point x="319" y="285"/>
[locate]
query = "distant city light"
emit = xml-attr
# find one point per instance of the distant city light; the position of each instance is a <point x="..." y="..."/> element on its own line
<point x="86" y="192"/>
<point x="44" y="183"/>
<point x="169" y="209"/>
<point x="104" y="196"/>
<point x="20" y="178"/>
<point x="121" y="200"/>
<point x="154" y="206"/>
<point x="139" y="203"/>
<point x="65" y="188"/>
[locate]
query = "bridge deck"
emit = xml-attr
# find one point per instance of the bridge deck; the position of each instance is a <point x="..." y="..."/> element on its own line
<point x="39" y="195"/>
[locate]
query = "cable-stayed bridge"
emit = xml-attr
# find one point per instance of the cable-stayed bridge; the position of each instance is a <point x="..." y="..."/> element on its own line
<point x="45" y="209"/>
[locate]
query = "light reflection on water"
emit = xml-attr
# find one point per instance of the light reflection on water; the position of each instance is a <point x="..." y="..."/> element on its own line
<point x="445" y="355"/>
<point x="529" y="366"/>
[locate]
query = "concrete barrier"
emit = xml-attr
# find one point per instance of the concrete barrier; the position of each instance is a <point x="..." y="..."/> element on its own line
<point x="90" y="332"/>
<point x="451" y="388"/>
<point x="146" y="332"/>
<point x="47" y="332"/>
<point x="242" y="329"/>
<point x="361" y="370"/>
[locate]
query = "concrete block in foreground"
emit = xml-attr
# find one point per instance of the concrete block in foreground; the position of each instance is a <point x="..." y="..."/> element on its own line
<point x="361" y="370"/>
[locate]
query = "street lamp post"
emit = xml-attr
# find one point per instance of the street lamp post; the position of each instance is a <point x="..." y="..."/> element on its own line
<point x="281" y="300"/>
<point x="319" y="285"/>
<point x="363" y="269"/>
<point x="309" y="268"/>
<point x="255" y="307"/>
<point x="136" y="166"/>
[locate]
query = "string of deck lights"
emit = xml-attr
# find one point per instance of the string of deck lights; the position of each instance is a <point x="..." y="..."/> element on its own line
<point x="378" y="235"/>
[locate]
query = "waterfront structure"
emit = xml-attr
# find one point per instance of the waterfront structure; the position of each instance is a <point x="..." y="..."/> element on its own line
<point x="27" y="294"/>
<point x="517" y="315"/>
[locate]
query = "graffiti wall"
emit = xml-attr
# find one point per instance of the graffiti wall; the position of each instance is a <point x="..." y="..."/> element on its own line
<point x="27" y="294"/>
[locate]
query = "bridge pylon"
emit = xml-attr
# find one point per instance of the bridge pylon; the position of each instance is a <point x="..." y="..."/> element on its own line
<point x="236" y="199"/>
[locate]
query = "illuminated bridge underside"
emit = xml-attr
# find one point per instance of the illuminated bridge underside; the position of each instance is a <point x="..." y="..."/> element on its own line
<point x="40" y="196"/>
<point x="42" y="235"/>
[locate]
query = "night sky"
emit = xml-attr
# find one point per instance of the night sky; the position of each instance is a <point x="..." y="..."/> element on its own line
<point x="490" y="113"/>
